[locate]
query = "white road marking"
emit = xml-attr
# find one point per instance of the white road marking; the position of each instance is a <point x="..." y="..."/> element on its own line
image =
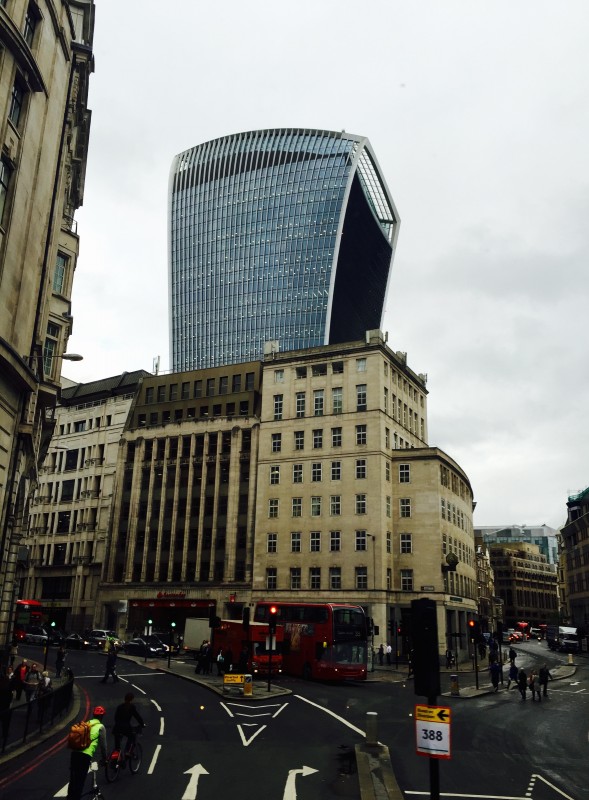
<point x="481" y="796"/>
<point x="226" y="709"/>
<point x="62" y="792"/>
<point x="154" y="759"/>
<point x="552" y="786"/>
<point x="290" y="789"/>
<point x="336" y="716"/>
<point x="245" y="741"/>
<point x="162" y="726"/>
<point x="282" y="707"/>
<point x="156" y="705"/>
<point x="195" y="773"/>
<point x="139" y="689"/>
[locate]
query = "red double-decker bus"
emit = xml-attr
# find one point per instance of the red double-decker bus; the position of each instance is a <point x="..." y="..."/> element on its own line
<point x="323" y="641"/>
<point x="28" y="612"/>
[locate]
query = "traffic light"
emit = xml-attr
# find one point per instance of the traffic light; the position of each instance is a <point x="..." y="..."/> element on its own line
<point x="474" y="629"/>
<point x="246" y="618"/>
<point x="399" y="630"/>
<point x="272" y="615"/>
<point x="369" y="626"/>
<point x="425" y="655"/>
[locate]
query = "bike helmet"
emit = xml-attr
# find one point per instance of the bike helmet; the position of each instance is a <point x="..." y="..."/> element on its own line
<point x="99" y="711"/>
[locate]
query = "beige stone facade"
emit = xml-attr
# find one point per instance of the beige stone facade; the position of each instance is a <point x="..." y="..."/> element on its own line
<point x="526" y="583"/>
<point x="45" y="64"/>
<point x="574" y="540"/>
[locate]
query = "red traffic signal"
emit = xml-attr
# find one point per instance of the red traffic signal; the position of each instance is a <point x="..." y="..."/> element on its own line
<point x="273" y="613"/>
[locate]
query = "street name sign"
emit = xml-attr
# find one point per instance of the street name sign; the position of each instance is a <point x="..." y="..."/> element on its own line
<point x="432" y="731"/>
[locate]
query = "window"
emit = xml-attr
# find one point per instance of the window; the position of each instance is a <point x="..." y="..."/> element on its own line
<point x="361" y="577"/>
<point x="278" y="376"/>
<point x="271" y="578"/>
<point x="335" y="505"/>
<point x="317" y="439"/>
<point x="361" y="540"/>
<point x="443" y="508"/>
<point x="198" y="388"/>
<point x="61" y="264"/>
<point x="149" y="394"/>
<point x="301" y="372"/>
<point x="5" y="176"/>
<point x="335" y="541"/>
<point x="273" y="508"/>
<point x="249" y="381"/>
<point x="50" y="347"/>
<point x="406" y="543"/>
<point x="278" y="406"/>
<point x="295" y="577"/>
<point x="297" y="473"/>
<point x="360" y="365"/>
<point x="387" y="471"/>
<point x="271" y="540"/>
<point x="17" y="98"/>
<point x="337" y="401"/>
<point x="315" y="506"/>
<point x="274" y="474"/>
<point x="404" y="473"/>
<point x="186" y="390"/>
<point x="336" y="470"/>
<point x="276" y="442"/>
<point x="318" y="402"/>
<point x="406" y="580"/>
<point x="316" y="472"/>
<point x="360" y="504"/>
<point x="337" y="367"/>
<point x="335" y="578"/>
<point x="336" y="437"/>
<point x="300" y="398"/>
<point x="361" y="397"/>
<point x="386" y="400"/>
<point x="318" y="370"/>
<point x="315" y="542"/>
<point x="315" y="578"/>
<point x="236" y="383"/>
<point x="388" y="505"/>
<point x="299" y="440"/>
<point x="295" y="542"/>
<point x="360" y="468"/>
<point x="389" y="578"/>
<point x="173" y="391"/>
<point x="31" y="22"/>
<point x="297" y="506"/>
<point x="405" y="507"/>
<point x="360" y="434"/>
<point x="389" y="539"/>
<point x="387" y="438"/>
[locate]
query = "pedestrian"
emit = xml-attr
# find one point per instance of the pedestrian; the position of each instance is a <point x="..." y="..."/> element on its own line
<point x="389" y="652"/>
<point x="495" y="671"/>
<point x="534" y="685"/>
<point x="522" y="683"/>
<point x="111" y="662"/>
<point x="512" y="655"/>
<point x="482" y="650"/>
<point x="512" y="676"/>
<point x="449" y="659"/>
<point x="381" y="655"/>
<point x="5" y="703"/>
<point x="80" y="759"/>
<point x="20" y="676"/>
<point x="59" y="660"/>
<point x="543" y="677"/>
<point x="32" y="682"/>
<point x="13" y="652"/>
<point x="126" y="712"/>
<point x="43" y="694"/>
<point x="220" y="661"/>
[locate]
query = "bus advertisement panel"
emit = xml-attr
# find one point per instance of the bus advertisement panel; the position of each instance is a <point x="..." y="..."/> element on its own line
<point x="248" y="646"/>
<point x="323" y="641"/>
<point x="28" y="612"/>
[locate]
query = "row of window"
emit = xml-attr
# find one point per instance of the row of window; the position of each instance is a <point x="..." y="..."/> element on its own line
<point x="335" y="542"/>
<point x="188" y="390"/>
<point x="155" y="418"/>
<point x="317" y="471"/>
<point x="452" y="514"/>
<point x="334" y="579"/>
<point x="317" y="437"/>
<point x="335" y="506"/>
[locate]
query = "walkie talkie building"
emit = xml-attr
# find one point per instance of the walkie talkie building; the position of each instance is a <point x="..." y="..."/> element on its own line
<point x="280" y="235"/>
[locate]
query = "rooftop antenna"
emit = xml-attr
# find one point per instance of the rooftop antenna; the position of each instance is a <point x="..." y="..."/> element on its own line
<point x="156" y="365"/>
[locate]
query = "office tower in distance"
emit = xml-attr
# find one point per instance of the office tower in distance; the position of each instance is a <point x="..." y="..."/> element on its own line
<point x="283" y="236"/>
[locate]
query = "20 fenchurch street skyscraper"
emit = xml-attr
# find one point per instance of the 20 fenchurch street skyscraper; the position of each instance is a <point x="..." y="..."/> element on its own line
<point x="280" y="235"/>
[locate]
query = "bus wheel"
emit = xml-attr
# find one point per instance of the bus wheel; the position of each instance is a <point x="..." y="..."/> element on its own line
<point x="307" y="672"/>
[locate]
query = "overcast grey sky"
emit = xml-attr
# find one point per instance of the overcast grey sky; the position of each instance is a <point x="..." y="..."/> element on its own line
<point x="479" y="116"/>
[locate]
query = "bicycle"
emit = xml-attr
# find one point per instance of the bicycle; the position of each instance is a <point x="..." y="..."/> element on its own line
<point x="95" y="792"/>
<point x="131" y="754"/>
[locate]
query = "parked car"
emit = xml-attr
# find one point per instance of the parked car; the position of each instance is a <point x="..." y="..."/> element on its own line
<point x="76" y="642"/>
<point x="160" y="640"/>
<point x="140" y="647"/>
<point x="102" y="636"/>
<point x="56" y="636"/>
<point x="34" y="634"/>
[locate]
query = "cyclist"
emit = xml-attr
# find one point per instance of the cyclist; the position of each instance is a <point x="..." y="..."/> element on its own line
<point x="123" y="716"/>
<point x="80" y="759"/>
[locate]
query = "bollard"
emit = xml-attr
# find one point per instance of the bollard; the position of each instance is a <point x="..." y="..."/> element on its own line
<point x="371" y="728"/>
<point x="454" y="687"/>
<point x="571" y="662"/>
<point x="248" y="686"/>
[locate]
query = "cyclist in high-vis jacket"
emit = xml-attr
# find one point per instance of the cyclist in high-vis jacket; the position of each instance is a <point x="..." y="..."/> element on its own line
<point x="80" y="759"/>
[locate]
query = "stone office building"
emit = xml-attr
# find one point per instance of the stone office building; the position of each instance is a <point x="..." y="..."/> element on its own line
<point x="526" y="583"/>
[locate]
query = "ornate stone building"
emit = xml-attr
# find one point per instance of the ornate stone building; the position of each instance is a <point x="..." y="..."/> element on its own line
<point x="574" y="538"/>
<point x="526" y="583"/>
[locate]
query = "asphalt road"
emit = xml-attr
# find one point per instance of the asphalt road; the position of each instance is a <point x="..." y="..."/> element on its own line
<point x="199" y="746"/>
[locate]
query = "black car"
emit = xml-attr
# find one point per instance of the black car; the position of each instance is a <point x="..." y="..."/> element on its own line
<point x="76" y="642"/>
<point x="140" y="647"/>
<point x="55" y="636"/>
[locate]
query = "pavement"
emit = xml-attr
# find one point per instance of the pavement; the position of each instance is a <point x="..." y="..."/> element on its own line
<point x="375" y="773"/>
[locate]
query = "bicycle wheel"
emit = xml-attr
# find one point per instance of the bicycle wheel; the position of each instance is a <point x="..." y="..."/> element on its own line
<point x="135" y="757"/>
<point x="112" y="769"/>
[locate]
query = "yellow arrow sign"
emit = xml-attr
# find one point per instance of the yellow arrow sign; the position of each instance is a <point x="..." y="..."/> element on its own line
<point x="433" y="714"/>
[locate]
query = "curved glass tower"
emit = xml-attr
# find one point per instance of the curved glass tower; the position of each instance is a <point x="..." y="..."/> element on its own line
<point x="277" y="235"/>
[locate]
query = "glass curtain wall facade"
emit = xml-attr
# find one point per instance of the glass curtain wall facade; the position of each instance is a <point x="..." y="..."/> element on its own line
<point x="278" y="235"/>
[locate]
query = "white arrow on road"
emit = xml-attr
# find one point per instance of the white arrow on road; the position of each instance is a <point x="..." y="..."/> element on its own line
<point x="290" y="789"/>
<point x="195" y="773"/>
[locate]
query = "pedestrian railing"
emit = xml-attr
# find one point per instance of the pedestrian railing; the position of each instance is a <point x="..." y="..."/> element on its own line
<point x="24" y="721"/>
